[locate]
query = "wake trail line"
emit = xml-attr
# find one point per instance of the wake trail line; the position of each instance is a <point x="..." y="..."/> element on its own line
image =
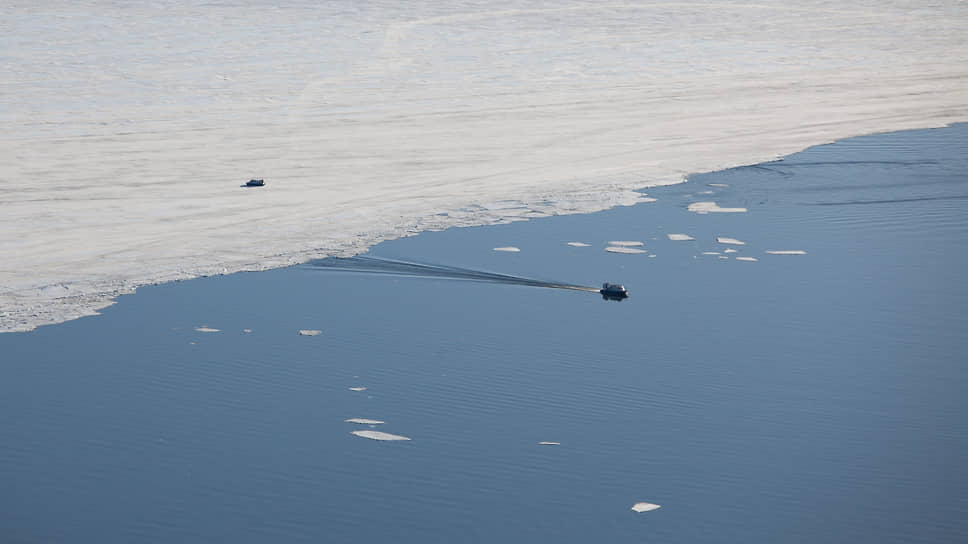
<point x="366" y="264"/>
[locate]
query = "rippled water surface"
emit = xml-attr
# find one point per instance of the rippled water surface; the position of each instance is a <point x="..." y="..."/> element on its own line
<point x="797" y="398"/>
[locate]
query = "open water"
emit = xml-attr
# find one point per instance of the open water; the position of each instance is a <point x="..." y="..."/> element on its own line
<point x="796" y="398"/>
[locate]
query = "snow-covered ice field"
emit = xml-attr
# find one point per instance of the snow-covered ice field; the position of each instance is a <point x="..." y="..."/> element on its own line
<point x="129" y="126"/>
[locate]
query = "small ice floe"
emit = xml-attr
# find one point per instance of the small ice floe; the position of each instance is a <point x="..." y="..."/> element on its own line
<point x="246" y="330"/>
<point x="645" y="506"/>
<point x="723" y="257"/>
<point x="750" y="259"/>
<point x="712" y="207"/>
<point x="787" y="252"/>
<point x="717" y="185"/>
<point x="622" y="249"/>
<point x="626" y="244"/>
<point x="357" y="389"/>
<point x="710" y="253"/>
<point x="549" y="443"/>
<point x="731" y="241"/>
<point x="364" y="421"/>
<point x="207" y="329"/>
<point x="652" y="255"/>
<point x="508" y="249"/>
<point x="730" y="250"/>
<point x="579" y="244"/>
<point x="680" y="237"/>
<point x="377" y="435"/>
<point x="309" y="332"/>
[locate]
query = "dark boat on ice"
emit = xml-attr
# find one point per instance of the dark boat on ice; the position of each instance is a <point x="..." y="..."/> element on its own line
<point x="255" y="183"/>
<point x="613" y="291"/>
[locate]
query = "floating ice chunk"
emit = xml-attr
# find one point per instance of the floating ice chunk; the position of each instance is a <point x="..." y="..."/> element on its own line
<point x="364" y="421"/>
<point x="717" y="185"/>
<point x="357" y="389"/>
<point x="579" y="244"/>
<point x="723" y="257"/>
<point x="751" y="259"/>
<point x="628" y="250"/>
<point x="652" y="256"/>
<point x="787" y="252"/>
<point x="549" y="443"/>
<point x="309" y="332"/>
<point x="710" y="253"/>
<point x="730" y="250"/>
<point x="732" y="241"/>
<point x="207" y="329"/>
<point x="626" y="244"/>
<point x="645" y="506"/>
<point x="246" y="330"/>
<point x="712" y="207"/>
<point x="377" y="435"/>
<point x="680" y="237"/>
<point x="509" y="249"/>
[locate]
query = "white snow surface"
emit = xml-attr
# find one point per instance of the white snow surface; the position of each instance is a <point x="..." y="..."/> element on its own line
<point x="129" y="126"/>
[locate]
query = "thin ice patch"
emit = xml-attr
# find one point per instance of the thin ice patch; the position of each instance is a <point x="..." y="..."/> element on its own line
<point x="627" y="250"/>
<point x="508" y="249"/>
<point x="579" y="244"/>
<point x="680" y="237"/>
<point x="364" y="421"/>
<point x="710" y="253"/>
<point x="645" y="507"/>
<point x="712" y="207"/>
<point x="750" y="259"/>
<point x="730" y="250"/>
<point x="549" y="443"/>
<point x="731" y="241"/>
<point x="717" y="185"/>
<point x="357" y="389"/>
<point x="626" y="244"/>
<point x="787" y="252"/>
<point x="377" y="435"/>
<point x="207" y="329"/>
<point x="309" y="332"/>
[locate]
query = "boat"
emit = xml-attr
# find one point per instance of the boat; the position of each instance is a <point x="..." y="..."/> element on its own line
<point x="613" y="291"/>
<point x="255" y="183"/>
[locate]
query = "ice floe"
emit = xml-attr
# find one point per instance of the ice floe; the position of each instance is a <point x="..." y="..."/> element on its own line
<point x="357" y="389"/>
<point x="729" y="250"/>
<point x="680" y="237"/>
<point x="645" y="506"/>
<point x="549" y="443"/>
<point x="246" y="330"/>
<point x="710" y="253"/>
<point x="377" y="435"/>
<point x="207" y="329"/>
<point x="731" y="241"/>
<point x="364" y="421"/>
<point x="786" y="252"/>
<point x="717" y="184"/>
<point x="750" y="259"/>
<point x="579" y="244"/>
<point x="309" y="332"/>
<point x="508" y="249"/>
<point x="626" y="243"/>
<point x="712" y="207"/>
<point x="623" y="249"/>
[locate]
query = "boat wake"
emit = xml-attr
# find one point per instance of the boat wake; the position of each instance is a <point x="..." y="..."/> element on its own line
<point x="366" y="264"/>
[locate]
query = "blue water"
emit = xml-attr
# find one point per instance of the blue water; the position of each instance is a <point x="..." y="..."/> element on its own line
<point x="810" y="398"/>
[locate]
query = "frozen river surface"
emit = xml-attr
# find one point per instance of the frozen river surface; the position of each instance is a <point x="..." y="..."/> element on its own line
<point x="129" y="126"/>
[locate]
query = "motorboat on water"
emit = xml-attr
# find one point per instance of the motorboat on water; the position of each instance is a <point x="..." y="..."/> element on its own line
<point x="613" y="291"/>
